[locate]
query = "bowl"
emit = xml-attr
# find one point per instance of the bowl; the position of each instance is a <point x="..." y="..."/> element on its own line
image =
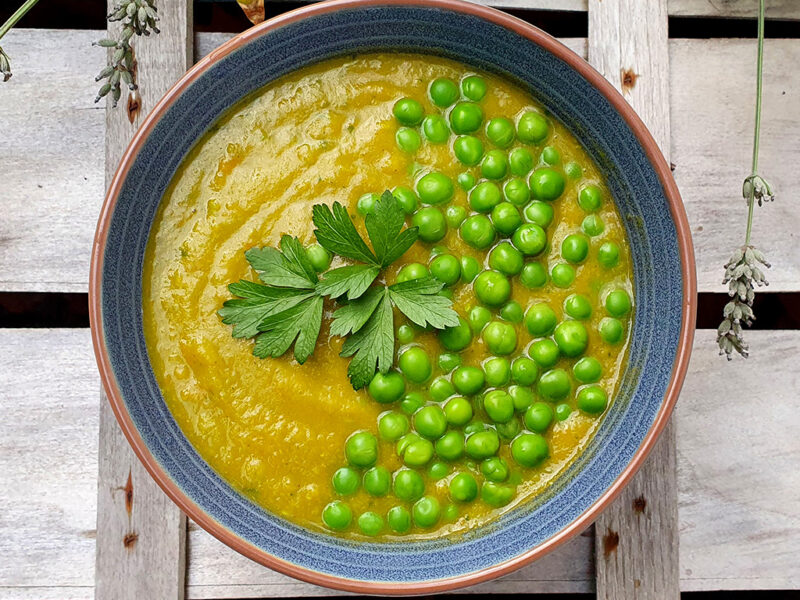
<point x="574" y="93"/>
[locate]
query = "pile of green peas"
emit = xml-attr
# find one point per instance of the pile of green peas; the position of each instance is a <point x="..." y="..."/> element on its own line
<point x="477" y="428"/>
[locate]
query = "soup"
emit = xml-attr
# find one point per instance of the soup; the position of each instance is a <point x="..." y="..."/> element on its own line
<point x="519" y="246"/>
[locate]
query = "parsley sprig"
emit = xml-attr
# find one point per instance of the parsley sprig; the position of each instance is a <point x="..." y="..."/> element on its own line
<point x="287" y="306"/>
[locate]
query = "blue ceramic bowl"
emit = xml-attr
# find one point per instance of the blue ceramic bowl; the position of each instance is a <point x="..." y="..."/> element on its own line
<point x="574" y="93"/>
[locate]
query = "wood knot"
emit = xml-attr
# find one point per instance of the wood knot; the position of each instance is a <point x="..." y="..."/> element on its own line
<point x="628" y="78"/>
<point x="128" y="489"/>
<point x="639" y="504"/>
<point x="129" y="541"/>
<point x="610" y="542"/>
<point x="134" y="105"/>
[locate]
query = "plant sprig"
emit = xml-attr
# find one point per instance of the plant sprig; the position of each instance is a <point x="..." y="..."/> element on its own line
<point x="743" y="271"/>
<point x="286" y="307"/>
<point x="5" y="61"/>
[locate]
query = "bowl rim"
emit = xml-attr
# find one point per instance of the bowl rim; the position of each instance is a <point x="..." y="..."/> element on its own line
<point x="689" y="302"/>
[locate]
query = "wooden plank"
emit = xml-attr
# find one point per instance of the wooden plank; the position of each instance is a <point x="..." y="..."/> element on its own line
<point x="636" y="538"/>
<point x="59" y="150"/>
<point x="737" y="476"/>
<point x="141" y="534"/>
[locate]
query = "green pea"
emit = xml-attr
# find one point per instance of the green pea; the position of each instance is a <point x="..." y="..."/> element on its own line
<point x="418" y="452"/>
<point x="441" y="389"/>
<point x="499" y="406"/>
<point x="387" y="388"/>
<point x="544" y="352"/>
<point x="443" y="92"/>
<point x="492" y="288"/>
<point x="392" y="426"/>
<point x="495" y="494"/>
<point x="408" y="111"/>
<point x="608" y="255"/>
<point x="524" y="371"/>
<point x="562" y="275"/>
<point x="446" y="268"/>
<point x="454" y="216"/>
<point x="509" y="429"/>
<point x="554" y="385"/>
<point x="448" y="361"/>
<point x="529" y="449"/>
<point x="426" y="511"/>
<point x="415" y="364"/>
<point x="540" y="319"/>
<point x="458" y="411"/>
<point x="337" y="515"/>
<point x="505" y="218"/>
<point x="618" y="303"/>
<point x="361" y="449"/>
<point x="412" y="271"/>
<point x="468" y="380"/>
<point x="590" y="198"/>
<point x="563" y="411"/>
<point x="497" y="371"/>
<point x="450" y="446"/>
<point x="484" y="197"/>
<point x="500" y="132"/>
<point x="530" y="239"/>
<point x="477" y="231"/>
<point x="473" y="87"/>
<point x="538" y="417"/>
<point x="578" y="307"/>
<point x="572" y="338"/>
<point x="546" y="184"/>
<point x="479" y="317"/>
<point x="470" y="268"/>
<point x="466" y="181"/>
<point x="521" y="395"/>
<point x="592" y="400"/>
<point x="406" y="198"/>
<point x="408" y="140"/>
<point x="533" y="275"/>
<point x="611" y="330"/>
<point x="412" y="402"/>
<point x="500" y="337"/>
<point x="495" y="469"/>
<point x="399" y="519"/>
<point x="532" y="127"/>
<point x="587" y="370"/>
<point x="345" y="481"/>
<point x="494" y="164"/>
<point x="517" y="193"/>
<point x="431" y="224"/>
<point x="520" y="162"/>
<point x="468" y="149"/>
<point x="551" y="155"/>
<point x="366" y="203"/>
<point x="430" y="421"/>
<point x="474" y="427"/>
<point x="512" y="312"/>
<point x="593" y="225"/>
<point x="466" y="117"/>
<point x="408" y="485"/>
<point x="482" y="444"/>
<point x="435" y="129"/>
<point x="456" y="338"/>
<point x="435" y="188"/>
<point x="539" y="213"/>
<point x="405" y="334"/>
<point x="463" y="488"/>
<point x="573" y="170"/>
<point x="575" y="248"/>
<point x="377" y="481"/>
<point x="506" y="259"/>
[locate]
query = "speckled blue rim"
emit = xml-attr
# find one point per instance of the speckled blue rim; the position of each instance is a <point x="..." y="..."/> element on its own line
<point x="574" y="93"/>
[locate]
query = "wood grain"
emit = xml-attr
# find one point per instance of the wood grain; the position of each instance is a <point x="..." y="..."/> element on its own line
<point x="636" y="538"/>
<point x="141" y="534"/>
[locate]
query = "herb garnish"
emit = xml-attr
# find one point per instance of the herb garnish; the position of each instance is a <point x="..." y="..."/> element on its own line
<point x="286" y="307"/>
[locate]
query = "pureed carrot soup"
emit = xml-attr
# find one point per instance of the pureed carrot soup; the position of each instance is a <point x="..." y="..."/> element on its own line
<point x="441" y="256"/>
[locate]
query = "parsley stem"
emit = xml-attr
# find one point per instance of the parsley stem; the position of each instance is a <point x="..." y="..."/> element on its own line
<point x="14" y="19"/>
<point x="757" y="132"/>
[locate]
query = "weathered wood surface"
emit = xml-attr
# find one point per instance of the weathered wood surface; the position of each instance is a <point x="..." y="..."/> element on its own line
<point x="141" y="534"/>
<point x="55" y="167"/>
<point x="636" y="537"/>
<point x="738" y="453"/>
